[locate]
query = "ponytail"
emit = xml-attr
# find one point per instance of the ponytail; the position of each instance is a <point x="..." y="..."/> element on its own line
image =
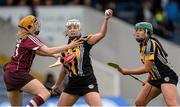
<point x="165" y="53"/>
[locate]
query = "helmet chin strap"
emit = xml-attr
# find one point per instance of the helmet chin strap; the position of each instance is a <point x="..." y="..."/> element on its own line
<point x="146" y="35"/>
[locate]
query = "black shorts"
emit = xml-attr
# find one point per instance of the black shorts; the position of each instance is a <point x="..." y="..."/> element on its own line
<point x="15" y="80"/>
<point x="172" y="79"/>
<point x="81" y="85"/>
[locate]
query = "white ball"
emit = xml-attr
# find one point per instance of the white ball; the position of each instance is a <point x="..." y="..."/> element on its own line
<point x="106" y="12"/>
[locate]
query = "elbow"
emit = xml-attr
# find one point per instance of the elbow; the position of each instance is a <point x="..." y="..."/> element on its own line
<point x="102" y="35"/>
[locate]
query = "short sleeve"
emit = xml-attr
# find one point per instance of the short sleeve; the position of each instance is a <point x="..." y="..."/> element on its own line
<point x="150" y="51"/>
<point x="32" y="43"/>
<point x="86" y="44"/>
<point x="85" y="38"/>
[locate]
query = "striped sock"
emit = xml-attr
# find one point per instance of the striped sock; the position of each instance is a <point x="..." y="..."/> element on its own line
<point x="35" y="101"/>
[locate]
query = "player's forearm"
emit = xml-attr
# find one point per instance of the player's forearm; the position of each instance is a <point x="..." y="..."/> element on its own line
<point x="103" y="29"/>
<point x="59" y="49"/>
<point x="41" y="53"/>
<point x="60" y="77"/>
<point x="108" y="14"/>
<point x="102" y="33"/>
<point x="97" y="37"/>
<point x="137" y="71"/>
<point x="50" y="51"/>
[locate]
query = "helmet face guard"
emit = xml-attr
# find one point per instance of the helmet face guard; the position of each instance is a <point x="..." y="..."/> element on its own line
<point x="30" y="24"/>
<point x="72" y="22"/>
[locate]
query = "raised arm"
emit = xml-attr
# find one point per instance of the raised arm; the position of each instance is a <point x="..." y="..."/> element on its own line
<point x="97" y="37"/>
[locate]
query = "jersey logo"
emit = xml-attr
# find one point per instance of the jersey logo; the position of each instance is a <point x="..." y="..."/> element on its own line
<point x="166" y="79"/>
<point x="69" y="58"/>
<point x="91" y="86"/>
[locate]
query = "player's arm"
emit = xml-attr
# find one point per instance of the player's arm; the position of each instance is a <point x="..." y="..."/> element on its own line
<point x="97" y="37"/>
<point x="144" y="69"/>
<point x="41" y="53"/>
<point x="60" y="78"/>
<point x="46" y="51"/>
<point x="149" y="59"/>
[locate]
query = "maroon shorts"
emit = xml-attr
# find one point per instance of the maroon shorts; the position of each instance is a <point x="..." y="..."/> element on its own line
<point x="15" y="80"/>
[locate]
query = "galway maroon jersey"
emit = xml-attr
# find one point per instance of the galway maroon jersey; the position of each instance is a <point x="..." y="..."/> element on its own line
<point x="24" y="54"/>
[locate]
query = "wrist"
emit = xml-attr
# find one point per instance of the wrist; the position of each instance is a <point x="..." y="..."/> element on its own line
<point x="106" y="18"/>
<point x="124" y="71"/>
<point x="68" y="46"/>
<point x="57" y="84"/>
<point x="53" y="55"/>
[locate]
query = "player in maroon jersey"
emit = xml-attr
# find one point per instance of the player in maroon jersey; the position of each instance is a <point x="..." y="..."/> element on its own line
<point x="16" y="72"/>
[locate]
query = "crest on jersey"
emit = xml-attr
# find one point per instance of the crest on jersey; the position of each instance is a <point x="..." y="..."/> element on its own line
<point x="167" y="79"/>
<point x="91" y="86"/>
<point x="70" y="57"/>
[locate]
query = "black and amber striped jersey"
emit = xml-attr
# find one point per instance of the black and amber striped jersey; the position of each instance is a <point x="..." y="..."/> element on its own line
<point x="77" y="60"/>
<point x="151" y="50"/>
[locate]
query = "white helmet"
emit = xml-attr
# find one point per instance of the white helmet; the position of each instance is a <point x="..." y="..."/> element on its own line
<point x="72" y="22"/>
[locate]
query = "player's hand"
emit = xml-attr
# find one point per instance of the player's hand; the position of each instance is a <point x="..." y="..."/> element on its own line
<point x="55" y="88"/>
<point x="57" y="55"/>
<point x="75" y="43"/>
<point x="108" y="13"/>
<point x="144" y="82"/>
<point x="123" y="70"/>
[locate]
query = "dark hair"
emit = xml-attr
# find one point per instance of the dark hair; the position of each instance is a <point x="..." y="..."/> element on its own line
<point x="149" y="33"/>
<point x="165" y="53"/>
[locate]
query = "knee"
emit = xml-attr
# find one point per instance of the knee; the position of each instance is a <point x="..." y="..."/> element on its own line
<point x="45" y="94"/>
<point x="48" y="94"/>
<point x="172" y="103"/>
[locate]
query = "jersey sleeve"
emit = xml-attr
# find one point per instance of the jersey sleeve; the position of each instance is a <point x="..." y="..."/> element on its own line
<point x="150" y="51"/>
<point x="32" y="43"/>
<point x="86" y="44"/>
<point x="85" y="38"/>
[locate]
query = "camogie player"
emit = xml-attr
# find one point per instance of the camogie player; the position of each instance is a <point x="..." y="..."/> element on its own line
<point x="162" y="78"/>
<point x="16" y="72"/>
<point x="77" y="61"/>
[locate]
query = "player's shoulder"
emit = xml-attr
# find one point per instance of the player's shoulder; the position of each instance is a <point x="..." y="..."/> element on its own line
<point x="31" y="37"/>
<point x="31" y="40"/>
<point x="86" y="37"/>
<point x="151" y="42"/>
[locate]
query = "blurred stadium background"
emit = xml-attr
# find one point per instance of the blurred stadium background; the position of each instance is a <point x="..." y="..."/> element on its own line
<point x="118" y="46"/>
